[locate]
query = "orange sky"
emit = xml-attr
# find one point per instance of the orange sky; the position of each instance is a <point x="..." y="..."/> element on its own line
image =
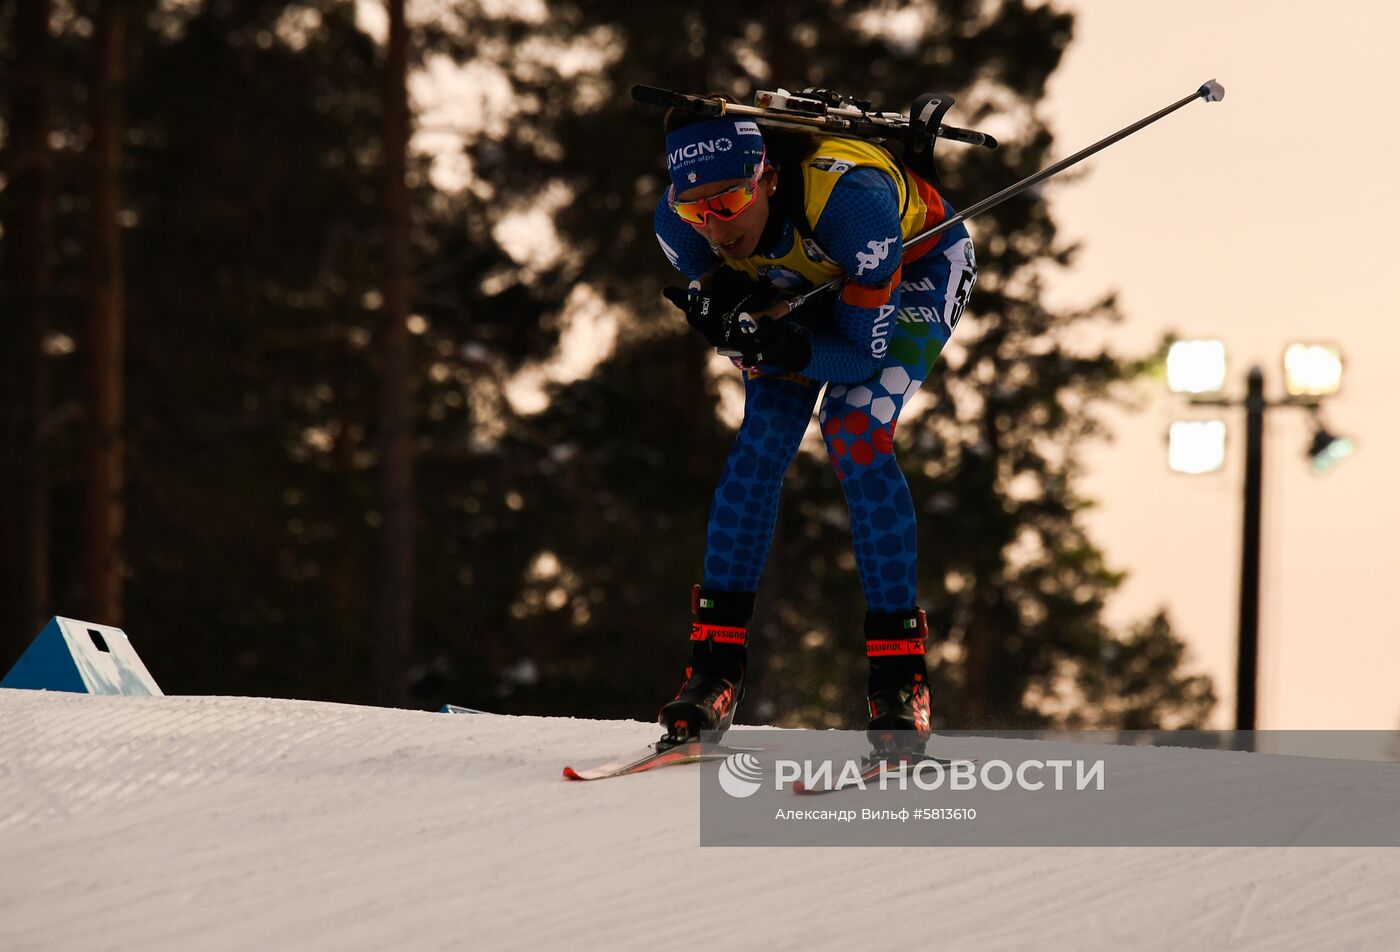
<point x="1263" y="219"/>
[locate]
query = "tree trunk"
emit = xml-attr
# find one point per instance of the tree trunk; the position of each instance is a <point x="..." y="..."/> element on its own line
<point x="977" y="646"/>
<point x="104" y="506"/>
<point x="28" y="228"/>
<point x="988" y="580"/>
<point x="393" y="611"/>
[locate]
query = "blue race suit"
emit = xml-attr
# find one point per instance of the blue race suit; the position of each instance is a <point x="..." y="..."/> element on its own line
<point x="872" y="362"/>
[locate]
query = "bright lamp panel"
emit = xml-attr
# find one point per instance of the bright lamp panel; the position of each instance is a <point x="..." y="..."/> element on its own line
<point x="1312" y="370"/>
<point x="1196" y="366"/>
<point x="1196" y="446"/>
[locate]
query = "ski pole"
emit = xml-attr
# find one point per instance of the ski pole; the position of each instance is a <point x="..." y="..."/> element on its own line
<point x="1210" y="91"/>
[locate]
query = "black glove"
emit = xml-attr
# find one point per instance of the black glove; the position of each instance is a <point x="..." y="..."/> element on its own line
<point x="778" y="343"/>
<point x="714" y="310"/>
<point x="699" y="310"/>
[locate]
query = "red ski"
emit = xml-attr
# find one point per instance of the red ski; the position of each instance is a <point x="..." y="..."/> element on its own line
<point x="687" y="752"/>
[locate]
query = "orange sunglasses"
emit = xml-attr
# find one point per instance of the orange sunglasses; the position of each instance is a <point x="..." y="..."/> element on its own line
<point x="727" y="205"/>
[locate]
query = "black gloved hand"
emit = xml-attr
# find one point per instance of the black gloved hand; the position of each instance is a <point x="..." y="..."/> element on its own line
<point x="699" y="310"/>
<point x="714" y="309"/>
<point x="778" y="343"/>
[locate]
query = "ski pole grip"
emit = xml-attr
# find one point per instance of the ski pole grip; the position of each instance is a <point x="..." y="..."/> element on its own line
<point x="653" y="96"/>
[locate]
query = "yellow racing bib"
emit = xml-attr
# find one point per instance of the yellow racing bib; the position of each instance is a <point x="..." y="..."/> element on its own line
<point x="921" y="208"/>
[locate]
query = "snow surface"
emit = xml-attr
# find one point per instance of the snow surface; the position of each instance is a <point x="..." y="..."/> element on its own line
<point x="244" y="823"/>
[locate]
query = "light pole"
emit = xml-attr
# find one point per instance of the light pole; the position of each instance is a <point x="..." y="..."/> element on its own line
<point x="1247" y="670"/>
<point x="1197" y="368"/>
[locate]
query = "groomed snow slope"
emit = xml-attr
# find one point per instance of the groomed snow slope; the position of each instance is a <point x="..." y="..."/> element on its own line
<point x="238" y="823"/>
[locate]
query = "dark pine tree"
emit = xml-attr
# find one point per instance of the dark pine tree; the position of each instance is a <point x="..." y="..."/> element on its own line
<point x="27" y="218"/>
<point x="555" y="547"/>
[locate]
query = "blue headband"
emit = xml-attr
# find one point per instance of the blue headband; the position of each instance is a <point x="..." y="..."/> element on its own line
<point x="713" y="151"/>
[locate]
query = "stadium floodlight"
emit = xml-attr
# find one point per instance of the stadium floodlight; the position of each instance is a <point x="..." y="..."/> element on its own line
<point x="1328" y="449"/>
<point x="1312" y="370"/>
<point x="1196" y="366"/>
<point x="1195" y="447"/>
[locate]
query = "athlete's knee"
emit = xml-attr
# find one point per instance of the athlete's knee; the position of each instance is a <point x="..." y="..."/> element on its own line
<point x="856" y="449"/>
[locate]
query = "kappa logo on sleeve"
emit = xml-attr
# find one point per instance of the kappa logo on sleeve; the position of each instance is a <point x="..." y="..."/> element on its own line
<point x="879" y="251"/>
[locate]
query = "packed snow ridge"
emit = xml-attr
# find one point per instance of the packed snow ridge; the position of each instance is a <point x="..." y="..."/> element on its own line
<point x="249" y="823"/>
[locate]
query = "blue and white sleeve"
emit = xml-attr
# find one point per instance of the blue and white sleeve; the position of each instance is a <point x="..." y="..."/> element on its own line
<point x="859" y="229"/>
<point x="686" y="249"/>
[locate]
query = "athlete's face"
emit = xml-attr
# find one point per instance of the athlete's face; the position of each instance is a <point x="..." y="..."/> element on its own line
<point x="737" y="237"/>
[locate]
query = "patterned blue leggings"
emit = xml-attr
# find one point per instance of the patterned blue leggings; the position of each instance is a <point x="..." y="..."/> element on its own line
<point x="857" y="423"/>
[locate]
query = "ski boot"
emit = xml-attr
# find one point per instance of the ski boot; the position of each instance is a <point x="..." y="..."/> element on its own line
<point x="714" y="679"/>
<point x="898" y="689"/>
